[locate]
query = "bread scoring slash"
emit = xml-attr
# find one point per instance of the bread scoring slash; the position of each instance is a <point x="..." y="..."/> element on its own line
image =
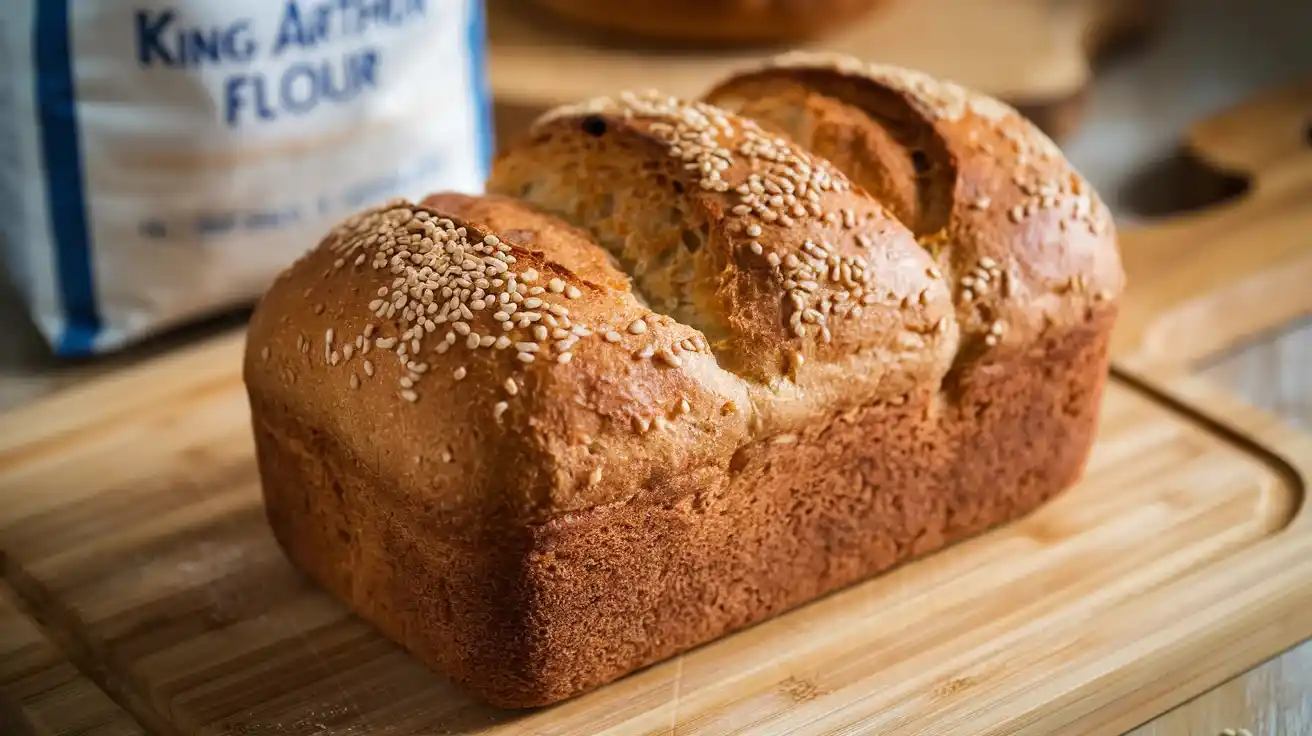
<point x="689" y="365"/>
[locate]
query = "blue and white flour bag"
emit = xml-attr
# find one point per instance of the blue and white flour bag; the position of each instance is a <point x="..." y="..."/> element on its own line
<point x="164" y="159"/>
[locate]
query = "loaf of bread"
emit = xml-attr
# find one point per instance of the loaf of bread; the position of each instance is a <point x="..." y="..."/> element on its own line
<point x="713" y="21"/>
<point x="687" y="366"/>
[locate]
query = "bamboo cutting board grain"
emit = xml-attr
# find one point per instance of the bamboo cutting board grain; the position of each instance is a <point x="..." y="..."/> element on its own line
<point x="50" y="695"/>
<point x="133" y="523"/>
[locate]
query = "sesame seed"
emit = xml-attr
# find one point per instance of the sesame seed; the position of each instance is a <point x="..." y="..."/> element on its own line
<point x="613" y="336"/>
<point x="410" y="395"/>
<point x="502" y="343"/>
<point x="987" y="262"/>
<point x="529" y="276"/>
<point x="512" y="388"/>
<point x="967" y="295"/>
<point x="637" y="327"/>
<point x="385" y="343"/>
<point x="595" y="476"/>
<point x="556" y="285"/>
<point x="669" y="357"/>
<point x="991" y="340"/>
<point x="355" y="381"/>
<point x="753" y="231"/>
<point x="459" y="373"/>
<point x="524" y="357"/>
<point x="572" y="292"/>
<point x="446" y="456"/>
<point x="646" y="352"/>
<point x="564" y="358"/>
<point x="499" y="409"/>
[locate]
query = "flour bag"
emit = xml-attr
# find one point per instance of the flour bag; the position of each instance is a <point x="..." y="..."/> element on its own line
<point x="164" y="159"/>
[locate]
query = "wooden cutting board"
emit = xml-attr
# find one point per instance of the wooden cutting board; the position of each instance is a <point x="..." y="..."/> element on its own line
<point x="1033" y="53"/>
<point x="54" y="696"/>
<point x="131" y="527"/>
<point x="1207" y="280"/>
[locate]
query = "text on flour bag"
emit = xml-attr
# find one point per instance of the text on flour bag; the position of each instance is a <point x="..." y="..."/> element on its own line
<point x="164" y="160"/>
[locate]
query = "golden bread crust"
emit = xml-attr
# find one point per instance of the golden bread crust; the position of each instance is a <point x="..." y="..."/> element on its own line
<point x="679" y="374"/>
<point x="1028" y="244"/>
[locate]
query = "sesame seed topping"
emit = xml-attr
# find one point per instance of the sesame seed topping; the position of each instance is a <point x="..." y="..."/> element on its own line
<point x="637" y="327"/>
<point x="525" y="357"/>
<point x="409" y="395"/>
<point x="595" y="476"/>
<point x="572" y="292"/>
<point x="459" y="373"/>
<point x="355" y="381"/>
<point x="753" y="231"/>
<point x="556" y="286"/>
<point x="613" y="336"/>
<point x="498" y="409"/>
<point x="564" y="358"/>
<point x="512" y="388"/>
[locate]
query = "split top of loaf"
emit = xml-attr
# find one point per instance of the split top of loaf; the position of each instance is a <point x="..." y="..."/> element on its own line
<point x="654" y="284"/>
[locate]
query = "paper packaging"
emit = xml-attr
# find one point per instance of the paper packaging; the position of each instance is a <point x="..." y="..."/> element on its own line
<point x="161" y="160"/>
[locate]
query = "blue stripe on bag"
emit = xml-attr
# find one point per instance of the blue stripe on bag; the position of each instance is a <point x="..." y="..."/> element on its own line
<point x="60" y="145"/>
<point x="478" y="80"/>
